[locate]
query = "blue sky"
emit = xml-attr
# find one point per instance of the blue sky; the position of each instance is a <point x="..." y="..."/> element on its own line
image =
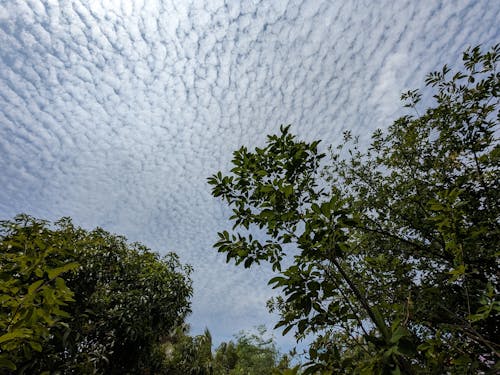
<point x="115" y="112"/>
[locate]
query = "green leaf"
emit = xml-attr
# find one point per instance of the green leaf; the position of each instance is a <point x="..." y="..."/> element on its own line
<point x="19" y="333"/>
<point x="288" y="190"/>
<point x="462" y="360"/>
<point x="60" y="283"/>
<point x="286" y="330"/>
<point x="397" y="334"/>
<point x="53" y="273"/>
<point x="266" y="188"/>
<point x="278" y="279"/>
<point x="36" y="346"/>
<point x="33" y="287"/>
<point x="6" y="363"/>
<point x="457" y="273"/>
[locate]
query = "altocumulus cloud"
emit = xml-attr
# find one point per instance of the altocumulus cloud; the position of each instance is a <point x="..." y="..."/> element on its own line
<point x="115" y="112"/>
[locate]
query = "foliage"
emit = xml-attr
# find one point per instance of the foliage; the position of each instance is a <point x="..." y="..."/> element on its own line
<point x="125" y="298"/>
<point x="249" y="354"/>
<point x="33" y="294"/>
<point x="129" y="297"/>
<point x="396" y="260"/>
<point x="188" y="355"/>
<point x="226" y="357"/>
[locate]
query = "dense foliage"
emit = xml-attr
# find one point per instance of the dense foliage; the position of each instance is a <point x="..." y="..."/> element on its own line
<point x="394" y="249"/>
<point x="250" y="354"/>
<point x="33" y="294"/>
<point x="186" y="354"/>
<point x="78" y="301"/>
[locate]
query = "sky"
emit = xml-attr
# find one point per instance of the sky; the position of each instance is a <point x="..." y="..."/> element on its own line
<point x="115" y="112"/>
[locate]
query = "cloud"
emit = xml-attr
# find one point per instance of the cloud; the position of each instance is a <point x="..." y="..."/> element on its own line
<point x="115" y="112"/>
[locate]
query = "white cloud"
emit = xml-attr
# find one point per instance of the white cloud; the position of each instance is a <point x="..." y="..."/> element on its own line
<point x="115" y="112"/>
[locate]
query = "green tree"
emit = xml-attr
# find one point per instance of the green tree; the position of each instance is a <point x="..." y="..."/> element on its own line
<point x="395" y="249"/>
<point x="226" y="358"/>
<point x="250" y="354"/>
<point x="124" y="298"/>
<point x="33" y="294"/>
<point x="188" y="355"/>
<point x="128" y="298"/>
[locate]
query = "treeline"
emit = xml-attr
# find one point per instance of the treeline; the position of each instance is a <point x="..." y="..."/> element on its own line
<point x="395" y="267"/>
<point x="250" y="353"/>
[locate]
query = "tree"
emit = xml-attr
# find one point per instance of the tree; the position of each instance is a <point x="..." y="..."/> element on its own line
<point x="226" y="357"/>
<point x="250" y="354"/>
<point x="395" y="257"/>
<point x="33" y="294"/>
<point x="188" y="355"/>
<point x="123" y="298"/>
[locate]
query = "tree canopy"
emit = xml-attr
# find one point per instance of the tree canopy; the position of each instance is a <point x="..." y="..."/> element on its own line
<point x="78" y="301"/>
<point x="250" y="353"/>
<point x="394" y="249"/>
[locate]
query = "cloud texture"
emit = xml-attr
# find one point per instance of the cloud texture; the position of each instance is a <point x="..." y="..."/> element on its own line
<point x="115" y="112"/>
